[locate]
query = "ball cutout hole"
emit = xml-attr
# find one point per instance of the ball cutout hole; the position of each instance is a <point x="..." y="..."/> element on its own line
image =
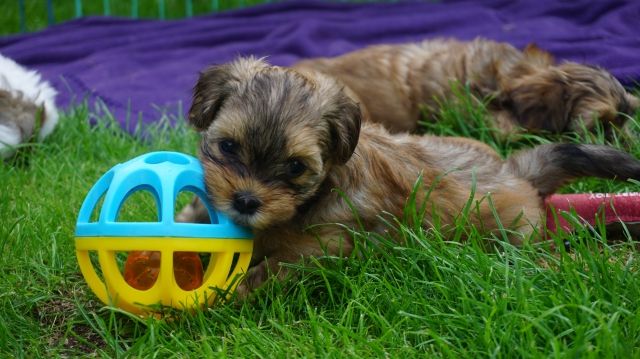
<point x="234" y="263"/>
<point x="141" y="269"/>
<point x="187" y="269"/>
<point x="95" y="263"/>
<point x="102" y="185"/>
<point x="191" y="211"/>
<point x="140" y="206"/>
<point x="95" y="214"/>
<point x="158" y="158"/>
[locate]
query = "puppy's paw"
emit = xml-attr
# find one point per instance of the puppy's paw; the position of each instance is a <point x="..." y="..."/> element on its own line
<point x="194" y="212"/>
<point x="257" y="275"/>
<point x="254" y="278"/>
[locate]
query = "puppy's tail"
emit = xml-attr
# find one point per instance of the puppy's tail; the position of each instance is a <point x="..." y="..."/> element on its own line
<point x="549" y="167"/>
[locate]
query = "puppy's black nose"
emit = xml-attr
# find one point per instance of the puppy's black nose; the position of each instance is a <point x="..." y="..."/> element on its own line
<point x="246" y="203"/>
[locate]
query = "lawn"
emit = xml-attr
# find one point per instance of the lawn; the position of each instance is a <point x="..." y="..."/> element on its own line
<point x="426" y="296"/>
<point x="36" y="17"/>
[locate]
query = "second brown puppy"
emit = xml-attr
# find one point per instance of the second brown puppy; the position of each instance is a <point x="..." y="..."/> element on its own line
<point x="399" y="84"/>
<point x="276" y="143"/>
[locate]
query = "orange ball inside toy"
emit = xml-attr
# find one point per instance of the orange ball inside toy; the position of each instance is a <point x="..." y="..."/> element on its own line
<point x="142" y="268"/>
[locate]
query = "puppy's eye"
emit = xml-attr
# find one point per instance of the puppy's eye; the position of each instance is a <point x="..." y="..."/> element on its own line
<point x="228" y="147"/>
<point x="295" y="168"/>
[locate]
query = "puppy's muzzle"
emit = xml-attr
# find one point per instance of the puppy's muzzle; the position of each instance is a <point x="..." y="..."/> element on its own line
<point x="246" y="203"/>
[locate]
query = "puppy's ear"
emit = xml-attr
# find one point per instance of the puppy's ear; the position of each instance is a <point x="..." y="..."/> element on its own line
<point x="209" y="94"/>
<point x="537" y="56"/>
<point x="215" y="84"/>
<point x="344" y="127"/>
<point x="539" y="103"/>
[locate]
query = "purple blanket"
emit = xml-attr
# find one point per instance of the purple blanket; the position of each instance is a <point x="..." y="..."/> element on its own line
<point x="147" y="68"/>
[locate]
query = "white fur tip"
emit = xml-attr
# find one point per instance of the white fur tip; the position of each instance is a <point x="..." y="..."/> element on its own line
<point x="9" y="138"/>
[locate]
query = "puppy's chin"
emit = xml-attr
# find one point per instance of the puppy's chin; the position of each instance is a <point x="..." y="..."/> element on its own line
<point x="260" y="220"/>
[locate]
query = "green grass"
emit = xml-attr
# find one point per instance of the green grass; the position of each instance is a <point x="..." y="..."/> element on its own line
<point x="36" y="10"/>
<point x="424" y="297"/>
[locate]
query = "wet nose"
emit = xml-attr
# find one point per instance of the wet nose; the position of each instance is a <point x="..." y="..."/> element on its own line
<point x="246" y="203"/>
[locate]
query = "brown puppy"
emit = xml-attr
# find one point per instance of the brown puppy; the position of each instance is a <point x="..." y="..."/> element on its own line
<point x="275" y="143"/>
<point x="396" y="83"/>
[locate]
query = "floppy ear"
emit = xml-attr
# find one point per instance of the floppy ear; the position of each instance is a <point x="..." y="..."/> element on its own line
<point x="209" y="94"/>
<point x="539" y="103"/>
<point x="216" y="84"/>
<point x="344" y="127"/>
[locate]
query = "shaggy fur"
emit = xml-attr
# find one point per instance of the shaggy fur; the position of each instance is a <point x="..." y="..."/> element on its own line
<point x="396" y="83"/>
<point x="17" y="121"/>
<point x="27" y="104"/>
<point x="275" y="143"/>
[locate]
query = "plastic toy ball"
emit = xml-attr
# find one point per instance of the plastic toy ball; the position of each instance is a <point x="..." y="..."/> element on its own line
<point x="164" y="261"/>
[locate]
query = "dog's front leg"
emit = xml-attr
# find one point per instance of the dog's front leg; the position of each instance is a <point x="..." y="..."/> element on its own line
<point x="276" y="247"/>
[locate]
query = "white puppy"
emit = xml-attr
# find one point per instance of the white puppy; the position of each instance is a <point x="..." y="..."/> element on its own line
<point x="27" y="104"/>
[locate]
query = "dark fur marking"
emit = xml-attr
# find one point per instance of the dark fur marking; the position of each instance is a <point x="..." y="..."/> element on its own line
<point x="599" y="161"/>
<point x="209" y="94"/>
<point x="236" y="165"/>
